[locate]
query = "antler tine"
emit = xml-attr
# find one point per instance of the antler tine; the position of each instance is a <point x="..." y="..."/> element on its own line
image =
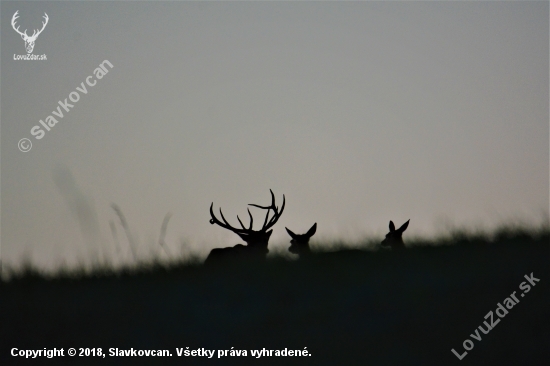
<point x="225" y="224"/>
<point x="266" y="207"/>
<point x="272" y="198"/>
<point x="214" y="219"/>
<point x="240" y="222"/>
<point x="276" y="215"/>
<point x="14" y="18"/>
<point x="251" y="219"/>
<point x="265" y="221"/>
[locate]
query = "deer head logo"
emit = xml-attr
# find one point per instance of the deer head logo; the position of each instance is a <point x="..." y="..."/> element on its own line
<point x="29" y="41"/>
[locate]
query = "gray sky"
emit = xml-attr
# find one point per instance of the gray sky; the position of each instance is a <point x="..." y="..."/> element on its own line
<point x="359" y="112"/>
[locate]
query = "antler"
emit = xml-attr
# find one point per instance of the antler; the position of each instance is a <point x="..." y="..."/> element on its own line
<point x="275" y="209"/>
<point x="24" y="34"/>
<point x="226" y="225"/>
<point x="266" y="226"/>
<point x="13" y="20"/>
<point x="46" y="18"/>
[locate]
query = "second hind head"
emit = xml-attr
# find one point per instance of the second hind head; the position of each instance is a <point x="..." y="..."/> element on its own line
<point x="394" y="239"/>
<point x="300" y="242"/>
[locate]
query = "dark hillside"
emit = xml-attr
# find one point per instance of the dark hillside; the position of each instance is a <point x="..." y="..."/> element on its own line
<point x="407" y="307"/>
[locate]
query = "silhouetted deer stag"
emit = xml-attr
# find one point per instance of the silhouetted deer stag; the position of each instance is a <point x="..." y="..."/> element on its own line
<point x="300" y="242"/>
<point x="256" y="240"/>
<point x="394" y="238"/>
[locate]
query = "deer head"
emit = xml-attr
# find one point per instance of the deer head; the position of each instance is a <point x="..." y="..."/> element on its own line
<point x="255" y="239"/>
<point x="29" y="41"/>
<point x="394" y="238"/>
<point x="300" y="242"/>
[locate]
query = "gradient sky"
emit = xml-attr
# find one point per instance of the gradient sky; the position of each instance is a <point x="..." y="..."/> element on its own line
<point x="359" y="112"/>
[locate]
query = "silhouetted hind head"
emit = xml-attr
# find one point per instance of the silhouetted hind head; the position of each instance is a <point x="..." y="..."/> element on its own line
<point x="394" y="238"/>
<point x="300" y="242"/>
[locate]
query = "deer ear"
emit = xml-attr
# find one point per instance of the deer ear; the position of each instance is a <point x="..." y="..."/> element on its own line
<point x="292" y="235"/>
<point x="269" y="233"/>
<point x="392" y="226"/>
<point x="312" y="230"/>
<point x="404" y="226"/>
